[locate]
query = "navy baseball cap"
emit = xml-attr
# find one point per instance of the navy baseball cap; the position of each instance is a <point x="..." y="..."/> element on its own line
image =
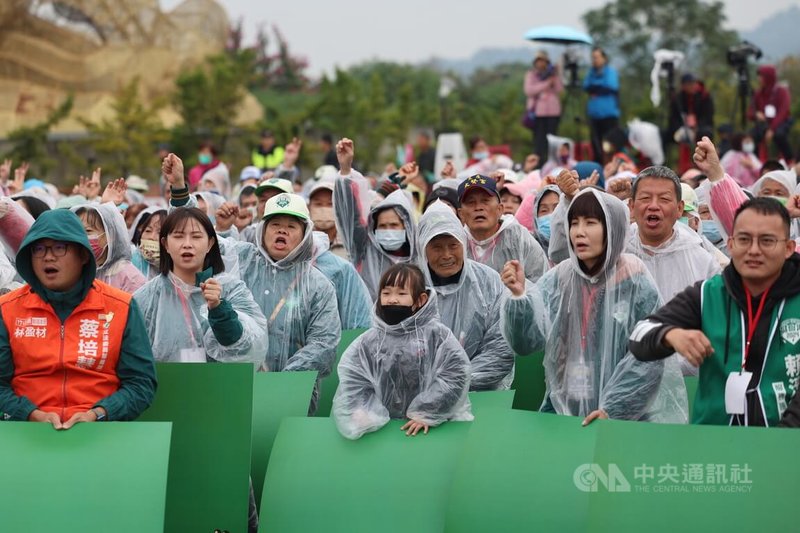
<point x="477" y="181"/>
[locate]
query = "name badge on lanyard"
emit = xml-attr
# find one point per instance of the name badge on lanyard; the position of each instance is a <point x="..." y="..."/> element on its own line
<point x="736" y="391"/>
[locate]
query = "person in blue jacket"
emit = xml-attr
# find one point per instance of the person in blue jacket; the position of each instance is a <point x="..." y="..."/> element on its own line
<point x="602" y="85"/>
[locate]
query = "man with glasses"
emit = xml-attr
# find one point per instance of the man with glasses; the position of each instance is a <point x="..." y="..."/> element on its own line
<point x="72" y="348"/>
<point x="741" y="328"/>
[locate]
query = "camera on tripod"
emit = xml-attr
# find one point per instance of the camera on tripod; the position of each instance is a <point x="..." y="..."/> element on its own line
<point x="738" y="54"/>
<point x="570" y="59"/>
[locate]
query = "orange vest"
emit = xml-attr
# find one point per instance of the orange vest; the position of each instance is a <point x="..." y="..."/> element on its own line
<point x="66" y="368"/>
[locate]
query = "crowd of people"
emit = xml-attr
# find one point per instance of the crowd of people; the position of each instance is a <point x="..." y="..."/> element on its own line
<point x="622" y="280"/>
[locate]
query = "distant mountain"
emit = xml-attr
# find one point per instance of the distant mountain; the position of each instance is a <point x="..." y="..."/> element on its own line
<point x="484" y="58"/>
<point x="777" y="36"/>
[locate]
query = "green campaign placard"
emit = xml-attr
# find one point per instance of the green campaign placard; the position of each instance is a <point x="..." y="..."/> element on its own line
<point x="211" y="408"/>
<point x="93" y="477"/>
<point x="276" y="395"/>
<point x="710" y="478"/>
<point x="529" y="382"/>
<point x="489" y="400"/>
<point x="331" y="382"/>
<point x="515" y="474"/>
<point x="385" y="481"/>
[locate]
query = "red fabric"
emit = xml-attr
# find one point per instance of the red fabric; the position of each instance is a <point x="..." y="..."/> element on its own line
<point x="71" y="374"/>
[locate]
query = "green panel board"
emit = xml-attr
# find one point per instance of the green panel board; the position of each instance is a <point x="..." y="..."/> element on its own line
<point x="515" y="474"/>
<point x="319" y="481"/>
<point x="489" y="400"/>
<point x="211" y="408"/>
<point x="331" y="382"/>
<point x="276" y="395"/>
<point x="529" y="382"/>
<point x="93" y="477"/>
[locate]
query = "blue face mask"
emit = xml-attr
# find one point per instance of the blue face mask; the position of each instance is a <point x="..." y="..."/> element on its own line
<point x="684" y="220"/>
<point x="391" y="240"/>
<point x="480" y="155"/>
<point x="205" y="159"/>
<point x="543" y="225"/>
<point x="711" y="231"/>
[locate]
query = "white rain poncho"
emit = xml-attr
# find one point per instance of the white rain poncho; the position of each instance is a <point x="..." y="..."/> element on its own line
<point x="15" y="222"/>
<point x="117" y="270"/>
<point x="471" y="306"/>
<point x="512" y="241"/>
<point x="676" y="264"/>
<point x="415" y="369"/>
<point x="299" y="303"/>
<point x="355" y="225"/>
<point x="355" y="306"/>
<point x="583" y="323"/>
<point x="213" y="202"/>
<point x="177" y="320"/>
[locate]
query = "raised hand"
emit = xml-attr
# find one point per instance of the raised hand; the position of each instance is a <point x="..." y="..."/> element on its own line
<point x="567" y="181"/>
<point x="345" y="152"/>
<point x="707" y="160"/>
<point x="513" y="276"/>
<point x="226" y="215"/>
<point x="18" y="184"/>
<point x="449" y="170"/>
<point x="292" y="153"/>
<point x="115" y="191"/>
<point x="212" y="292"/>
<point x="172" y="170"/>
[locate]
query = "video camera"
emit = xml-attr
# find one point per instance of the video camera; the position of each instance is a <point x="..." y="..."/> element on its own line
<point x="739" y="53"/>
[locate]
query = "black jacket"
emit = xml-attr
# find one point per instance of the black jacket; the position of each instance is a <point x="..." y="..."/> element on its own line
<point x="684" y="311"/>
<point x="699" y="103"/>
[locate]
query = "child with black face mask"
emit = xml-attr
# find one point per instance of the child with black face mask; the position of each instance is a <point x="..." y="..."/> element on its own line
<point x="407" y="366"/>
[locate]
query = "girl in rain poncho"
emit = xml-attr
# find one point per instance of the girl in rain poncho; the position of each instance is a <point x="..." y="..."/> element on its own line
<point x="108" y="237"/>
<point x="408" y="366"/>
<point x="146" y="248"/>
<point x="193" y="311"/>
<point x="582" y="313"/>
<point x="375" y="238"/>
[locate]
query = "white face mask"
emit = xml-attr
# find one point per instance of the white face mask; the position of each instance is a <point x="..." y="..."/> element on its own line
<point x="391" y="239"/>
<point x="748" y="147"/>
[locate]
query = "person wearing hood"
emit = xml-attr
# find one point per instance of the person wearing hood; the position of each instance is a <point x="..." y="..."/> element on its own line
<point x="216" y="180"/>
<point x="219" y="320"/>
<point x="560" y="155"/>
<point x="673" y="253"/>
<point x="146" y="241"/>
<point x="352" y="295"/>
<point x="377" y="237"/>
<point x="739" y="327"/>
<point x="493" y="238"/>
<point x="298" y="301"/>
<point x="468" y="296"/>
<point x="741" y="161"/>
<point x="15" y="222"/>
<point x="109" y="240"/>
<point x="104" y="368"/>
<point x="408" y="366"/>
<point x="582" y="313"/>
<point x="541" y="206"/>
<point x="320" y="205"/>
<point x="771" y="110"/>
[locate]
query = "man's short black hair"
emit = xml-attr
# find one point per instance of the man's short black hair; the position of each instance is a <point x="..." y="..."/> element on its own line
<point x="660" y="172"/>
<point x="770" y="165"/>
<point x="766" y="206"/>
<point x="327" y="138"/>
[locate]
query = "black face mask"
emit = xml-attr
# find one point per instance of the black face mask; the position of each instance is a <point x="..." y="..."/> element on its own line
<point x="394" y="314"/>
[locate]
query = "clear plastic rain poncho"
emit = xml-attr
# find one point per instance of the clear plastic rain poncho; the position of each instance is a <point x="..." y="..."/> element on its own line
<point x="583" y="323"/>
<point x="415" y="369"/>
<point x="117" y="270"/>
<point x="676" y="264"/>
<point x="298" y="301"/>
<point x="470" y="307"/>
<point x="176" y="316"/>
<point x="213" y="202"/>
<point x="512" y="241"/>
<point x="352" y="296"/>
<point x="355" y="224"/>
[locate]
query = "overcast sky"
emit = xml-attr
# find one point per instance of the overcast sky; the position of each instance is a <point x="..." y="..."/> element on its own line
<point x="345" y="32"/>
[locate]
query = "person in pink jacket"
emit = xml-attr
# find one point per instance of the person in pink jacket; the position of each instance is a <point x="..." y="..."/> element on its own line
<point x="542" y="88"/>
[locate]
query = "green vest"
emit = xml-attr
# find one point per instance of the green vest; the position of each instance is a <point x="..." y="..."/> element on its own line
<point x="781" y="368"/>
<point x="268" y="162"/>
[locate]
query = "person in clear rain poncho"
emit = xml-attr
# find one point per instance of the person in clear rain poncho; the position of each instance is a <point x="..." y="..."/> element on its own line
<point x="493" y="238"/>
<point x="582" y="313"/>
<point x="145" y="245"/>
<point x="407" y="366"/>
<point x="193" y="311"/>
<point x="109" y="239"/>
<point x="468" y="296"/>
<point x="375" y="238"/>
<point x="298" y="300"/>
